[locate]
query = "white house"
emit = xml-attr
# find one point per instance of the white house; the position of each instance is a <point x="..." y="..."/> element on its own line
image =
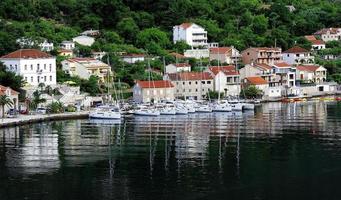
<point x="85" y="67"/>
<point x="147" y="91"/>
<point x="258" y="82"/>
<point x="33" y="65"/>
<point x="329" y="34"/>
<point x="228" y="55"/>
<point x="311" y="73"/>
<point x="92" y="33"/>
<point x="133" y="58"/>
<point x="67" y="45"/>
<point x="285" y="74"/>
<point x="226" y="80"/>
<point x="84" y="40"/>
<point x="178" y="67"/>
<point x="11" y="94"/>
<point x="197" y="53"/>
<point x="298" y="55"/>
<point x="193" y="34"/>
<point x="316" y="44"/>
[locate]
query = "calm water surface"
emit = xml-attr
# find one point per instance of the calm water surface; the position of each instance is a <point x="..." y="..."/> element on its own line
<point x="280" y="151"/>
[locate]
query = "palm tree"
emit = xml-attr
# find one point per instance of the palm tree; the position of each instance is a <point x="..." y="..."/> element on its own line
<point x="36" y="100"/>
<point x="5" y="101"/>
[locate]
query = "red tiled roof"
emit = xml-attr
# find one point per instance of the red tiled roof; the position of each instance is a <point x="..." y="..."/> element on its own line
<point x="182" y="65"/>
<point x="4" y="88"/>
<point x="155" y="84"/>
<point x="296" y="49"/>
<point x="220" y="50"/>
<point x="65" y="51"/>
<point x="317" y="42"/>
<point x="267" y="49"/>
<point x="27" y="53"/>
<point x="263" y="66"/>
<point x="310" y="37"/>
<point x="325" y="30"/>
<point x="282" y="64"/>
<point x="185" y="25"/>
<point x="309" y="68"/>
<point x="227" y="70"/>
<point x="190" y="76"/>
<point x="256" y="80"/>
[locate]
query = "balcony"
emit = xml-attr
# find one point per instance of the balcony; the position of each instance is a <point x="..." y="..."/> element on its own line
<point x="39" y="71"/>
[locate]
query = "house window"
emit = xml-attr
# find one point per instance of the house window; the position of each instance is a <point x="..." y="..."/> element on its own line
<point x="190" y="83"/>
<point x="44" y="78"/>
<point x="229" y="79"/>
<point x="196" y="82"/>
<point x="189" y="90"/>
<point x="203" y="82"/>
<point x="25" y="78"/>
<point x="31" y="79"/>
<point x="50" y="68"/>
<point x="16" y="67"/>
<point x="11" y="67"/>
<point x="177" y="90"/>
<point x="183" y="83"/>
<point x="288" y="55"/>
<point x="38" y="67"/>
<point x="208" y="82"/>
<point x="44" y="66"/>
<point x="31" y="67"/>
<point x="184" y="90"/>
<point x="50" y="78"/>
<point x="196" y="90"/>
<point x="38" y="79"/>
<point x="25" y="67"/>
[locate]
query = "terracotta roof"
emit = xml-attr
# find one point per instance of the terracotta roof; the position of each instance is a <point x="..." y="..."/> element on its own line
<point x="310" y="37"/>
<point x="282" y="64"/>
<point x="227" y="70"/>
<point x="190" y="76"/>
<point x="256" y="80"/>
<point x="177" y="55"/>
<point x="296" y="49"/>
<point x="4" y="88"/>
<point x="317" y="42"/>
<point x="65" y="51"/>
<point x="325" y="30"/>
<point x="27" y="53"/>
<point x="182" y="65"/>
<point x="155" y="84"/>
<point x="263" y="66"/>
<point x="185" y="25"/>
<point x="220" y="50"/>
<point x="309" y="68"/>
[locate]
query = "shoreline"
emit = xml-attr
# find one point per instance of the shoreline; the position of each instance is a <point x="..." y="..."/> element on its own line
<point x="27" y="119"/>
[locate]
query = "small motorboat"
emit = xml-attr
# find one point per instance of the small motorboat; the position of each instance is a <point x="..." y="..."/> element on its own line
<point x="105" y="112"/>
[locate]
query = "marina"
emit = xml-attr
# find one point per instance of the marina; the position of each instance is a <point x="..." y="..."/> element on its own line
<point x="195" y="156"/>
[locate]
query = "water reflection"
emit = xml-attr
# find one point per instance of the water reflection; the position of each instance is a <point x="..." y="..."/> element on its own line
<point x="161" y="155"/>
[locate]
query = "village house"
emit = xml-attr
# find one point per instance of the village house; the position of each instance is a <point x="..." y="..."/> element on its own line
<point x="98" y="54"/>
<point x="133" y="58"/>
<point x="316" y="44"/>
<point x="85" y="67"/>
<point x="65" y="52"/>
<point x="153" y="91"/>
<point x="286" y="74"/>
<point x="261" y="55"/>
<point x="226" y="80"/>
<point x="227" y="55"/>
<point x="178" y="67"/>
<point x="191" y="85"/>
<point x="256" y="81"/>
<point x="298" y="55"/>
<point x="67" y="45"/>
<point x="329" y="34"/>
<point x="193" y="34"/>
<point x="197" y="53"/>
<point x="84" y="40"/>
<point x="260" y="70"/>
<point x="33" y="65"/>
<point x="91" y="33"/>
<point x="12" y="95"/>
<point x="311" y="73"/>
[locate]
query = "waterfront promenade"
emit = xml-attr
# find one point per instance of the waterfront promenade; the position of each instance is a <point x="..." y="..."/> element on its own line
<point x="26" y="119"/>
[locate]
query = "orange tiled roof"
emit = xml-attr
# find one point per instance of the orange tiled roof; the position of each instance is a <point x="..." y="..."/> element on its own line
<point x="220" y="50"/>
<point x="309" y="68"/>
<point x="263" y="66"/>
<point x="27" y="53"/>
<point x="190" y="76"/>
<point x="282" y="64"/>
<point x="267" y="48"/>
<point x="227" y="70"/>
<point x="325" y="30"/>
<point x="317" y="42"/>
<point x="4" y="88"/>
<point x="296" y="49"/>
<point x="255" y="80"/>
<point x="310" y="37"/>
<point x="177" y="55"/>
<point x="155" y="84"/>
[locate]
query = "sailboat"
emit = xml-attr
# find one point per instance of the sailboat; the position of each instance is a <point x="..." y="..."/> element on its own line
<point x="220" y="106"/>
<point x="106" y="111"/>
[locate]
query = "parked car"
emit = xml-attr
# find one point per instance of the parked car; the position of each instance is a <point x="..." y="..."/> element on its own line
<point x="41" y="110"/>
<point x="12" y="113"/>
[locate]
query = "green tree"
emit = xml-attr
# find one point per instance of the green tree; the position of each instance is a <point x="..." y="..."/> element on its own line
<point x="10" y="79"/>
<point x="250" y="92"/>
<point x="5" y="101"/>
<point x="55" y="107"/>
<point x="36" y="100"/>
<point x="128" y="29"/>
<point x="153" y="40"/>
